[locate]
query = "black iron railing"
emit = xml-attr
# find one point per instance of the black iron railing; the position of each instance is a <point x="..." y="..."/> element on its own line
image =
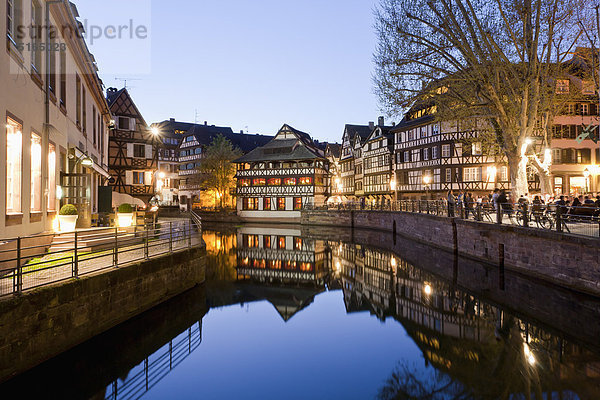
<point x="38" y="260"/>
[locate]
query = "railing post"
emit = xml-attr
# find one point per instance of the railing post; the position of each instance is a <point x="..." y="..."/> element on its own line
<point x="559" y="219"/>
<point x="498" y="213"/>
<point x="146" y="250"/>
<point x="18" y="286"/>
<point x="116" y="249"/>
<point x="75" y="259"/>
<point x="190" y="233"/>
<point x="170" y="236"/>
<point x="525" y="215"/>
<point x="478" y="211"/>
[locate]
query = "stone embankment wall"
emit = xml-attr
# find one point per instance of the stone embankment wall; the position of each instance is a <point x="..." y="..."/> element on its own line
<point x="45" y="322"/>
<point x="568" y="260"/>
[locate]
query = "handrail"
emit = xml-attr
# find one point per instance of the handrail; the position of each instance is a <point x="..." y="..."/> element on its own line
<point x="25" y="265"/>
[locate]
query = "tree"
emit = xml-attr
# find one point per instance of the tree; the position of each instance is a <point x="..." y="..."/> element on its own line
<point x="216" y="168"/>
<point x="496" y="61"/>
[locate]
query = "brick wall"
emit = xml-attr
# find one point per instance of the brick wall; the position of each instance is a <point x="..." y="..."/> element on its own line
<point x="48" y="321"/>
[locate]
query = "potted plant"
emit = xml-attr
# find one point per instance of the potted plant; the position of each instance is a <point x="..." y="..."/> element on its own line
<point x="67" y="218"/>
<point x="125" y="215"/>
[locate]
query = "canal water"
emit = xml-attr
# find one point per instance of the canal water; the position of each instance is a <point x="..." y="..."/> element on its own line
<point x="309" y="313"/>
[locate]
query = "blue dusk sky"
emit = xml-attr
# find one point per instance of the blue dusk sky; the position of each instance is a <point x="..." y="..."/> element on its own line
<point x="252" y="65"/>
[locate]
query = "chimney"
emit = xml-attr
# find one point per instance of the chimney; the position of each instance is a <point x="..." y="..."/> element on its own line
<point x="111" y="90"/>
<point x="171" y="119"/>
<point x="380" y="121"/>
<point x="371" y="125"/>
<point x="241" y="131"/>
<point x="205" y="123"/>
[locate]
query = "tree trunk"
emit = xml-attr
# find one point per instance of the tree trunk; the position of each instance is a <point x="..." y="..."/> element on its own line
<point x="518" y="176"/>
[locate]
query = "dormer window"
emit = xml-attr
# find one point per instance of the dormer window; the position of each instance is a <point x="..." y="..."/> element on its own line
<point x="562" y="86"/>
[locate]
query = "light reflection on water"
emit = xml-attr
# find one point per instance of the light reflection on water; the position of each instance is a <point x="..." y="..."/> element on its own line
<point x="322" y="315"/>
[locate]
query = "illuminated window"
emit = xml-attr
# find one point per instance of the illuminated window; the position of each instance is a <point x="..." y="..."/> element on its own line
<point x="138" y="177"/>
<point x="298" y="243"/>
<point x="289" y="181"/>
<point x="281" y="203"/>
<point x="281" y="242"/>
<point x="297" y="203"/>
<point x="504" y="173"/>
<point x="267" y="242"/>
<point x="14" y="147"/>
<point x="244" y="182"/>
<point x="306" y="180"/>
<point x="259" y="182"/>
<point x="267" y="203"/>
<point x="51" y="177"/>
<point x="445" y="150"/>
<point x="36" y="173"/>
<point x="274" y="181"/>
<point x="476" y="148"/>
<point x="472" y="174"/>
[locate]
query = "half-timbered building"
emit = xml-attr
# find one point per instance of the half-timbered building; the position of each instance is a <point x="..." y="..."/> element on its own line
<point x="353" y="139"/>
<point x="132" y="153"/>
<point x="433" y="157"/>
<point x="377" y="157"/>
<point x="282" y="177"/>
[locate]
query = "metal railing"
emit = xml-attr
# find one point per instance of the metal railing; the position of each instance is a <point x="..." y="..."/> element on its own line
<point x="38" y="260"/>
<point x="581" y="220"/>
<point x="155" y="367"/>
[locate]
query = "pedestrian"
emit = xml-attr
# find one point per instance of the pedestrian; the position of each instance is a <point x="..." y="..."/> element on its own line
<point x="495" y="195"/>
<point x="468" y="201"/>
<point x="451" y="203"/>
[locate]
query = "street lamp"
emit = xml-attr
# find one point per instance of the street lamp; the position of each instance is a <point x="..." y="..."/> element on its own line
<point x="586" y="175"/>
<point x="426" y="183"/>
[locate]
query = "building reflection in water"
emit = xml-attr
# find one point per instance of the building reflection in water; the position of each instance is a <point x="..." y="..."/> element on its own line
<point x="478" y="349"/>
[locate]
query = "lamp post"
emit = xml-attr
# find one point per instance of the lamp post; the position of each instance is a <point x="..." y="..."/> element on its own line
<point x="393" y="187"/>
<point x="426" y="183"/>
<point x="586" y="176"/>
<point x="154" y="135"/>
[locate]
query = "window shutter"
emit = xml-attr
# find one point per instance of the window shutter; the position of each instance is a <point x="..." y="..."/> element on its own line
<point x="128" y="177"/>
<point x="148" y="178"/>
<point x="129" y="149"/>
<point x="149" y="151"/>
<point x="132" y="122"/>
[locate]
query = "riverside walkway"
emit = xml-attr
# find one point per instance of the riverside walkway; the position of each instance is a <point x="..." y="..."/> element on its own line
<point x="91" y="250"/>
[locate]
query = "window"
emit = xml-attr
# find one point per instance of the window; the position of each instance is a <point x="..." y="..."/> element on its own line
<point x="406" y="156"/>
<point x="259" y="182"/>
<point x="448" y="175"/>
<point x="458" y="149"/>
<point x="289" y="181"/>
<point x="472" y="174"/>
<point x="585" y="109"/>
<point x="281" y="203"/>
<point x="435" y="152"/>
<point x="36" y="173"/>
<point x="36" y="33"/>
<point x="52" y="70"/>
<point x="139" y="151"/>
<point x="297" y="243"/>
<point x="297" y="203"/>
<point x="250" y="203"/>
<point x="476" y="149"/>
<point x="504" y="173"/>
<point x="562" y="86"/>
<point x="138" y="177"/>
<point x="445" y="150"/>
<point x="51" y="177"/>
<point x="425" y="154"/>
<point x="14" y="147"/>
<point x="13" y="18"/>
<point x="124" y="123"/>
<point x="267" y="203"/>
<point x="83" y="110"/>
<point x="63" y="79"/>
<point x="306" y="180"/>
<point x="94" y="130"/>
<point x="267" y="241"/>
<point x="556" y="159"/>
<point x="78" y="100"/>
<point x="587" y="87"/>
<point x="435" y="128"/>
<point x="281" y="242"/>
<point x="189" y="138"/>
<point x="274" y="181"/>
<point x="415" y="155"/>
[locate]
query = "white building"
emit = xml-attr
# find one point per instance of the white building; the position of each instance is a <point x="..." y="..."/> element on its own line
<point x="54" y="142"/>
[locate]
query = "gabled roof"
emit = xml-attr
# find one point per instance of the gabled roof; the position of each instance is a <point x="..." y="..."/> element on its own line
<point x="411" y="123"/>
<point x="205" y="134"/>
<point x="384" y="130"/>
<point x="333" y="150"/>
<point x="121" y="103"/>
<point x="362" y="131"/>
<point x="288" y="144"/>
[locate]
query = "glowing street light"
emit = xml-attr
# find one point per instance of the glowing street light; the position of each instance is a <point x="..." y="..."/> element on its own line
<point x="427" y="180"/>
<point x="427" y="289"/>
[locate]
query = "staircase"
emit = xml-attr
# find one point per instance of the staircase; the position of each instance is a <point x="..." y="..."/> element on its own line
<point x="88" y="240"/>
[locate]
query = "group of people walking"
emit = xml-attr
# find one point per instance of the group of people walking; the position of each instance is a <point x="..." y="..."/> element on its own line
<point x="500" y="198"/>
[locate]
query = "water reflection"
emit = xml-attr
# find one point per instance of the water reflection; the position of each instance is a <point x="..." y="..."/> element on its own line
<point x="478" y="348"/>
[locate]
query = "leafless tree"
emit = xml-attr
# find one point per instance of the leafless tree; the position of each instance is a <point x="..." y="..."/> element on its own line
<point x="491" y="61"/>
